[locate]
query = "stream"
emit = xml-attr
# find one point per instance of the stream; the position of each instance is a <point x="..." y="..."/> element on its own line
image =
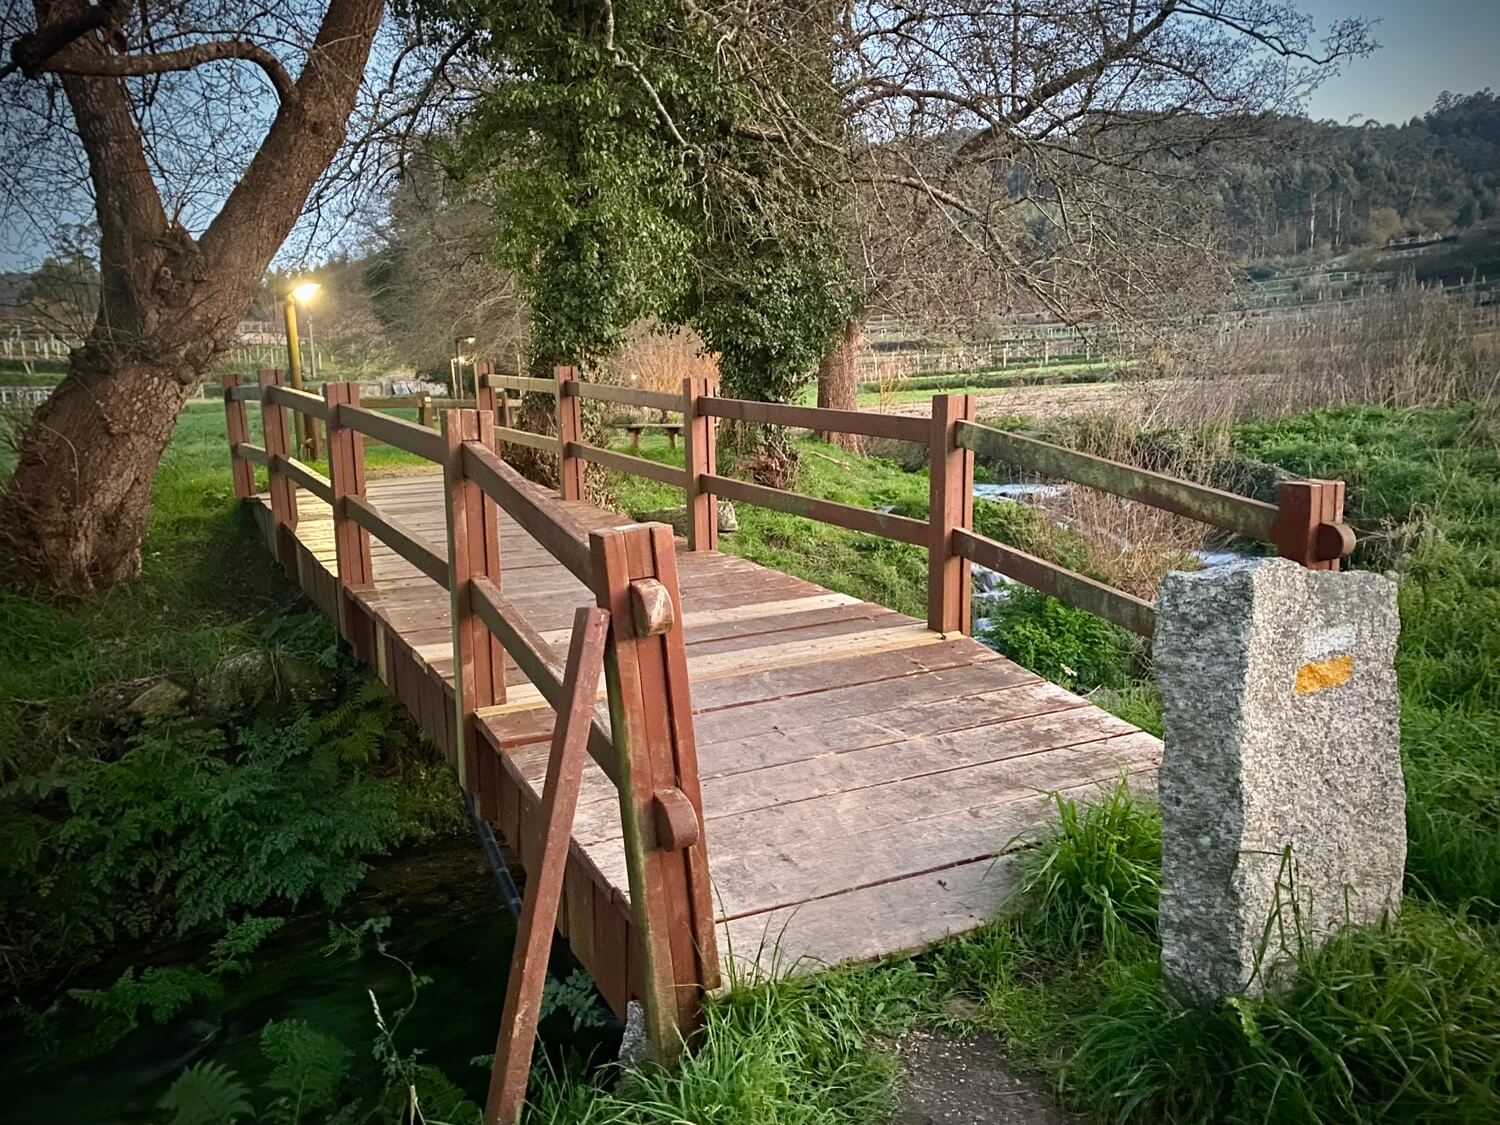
<point x="448" y="923"/>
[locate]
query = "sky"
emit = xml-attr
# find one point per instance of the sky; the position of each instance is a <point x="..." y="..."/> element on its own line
<point x="1426" y="47"/>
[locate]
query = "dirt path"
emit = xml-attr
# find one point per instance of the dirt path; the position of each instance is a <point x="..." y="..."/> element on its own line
<point x="970" y="1081"/>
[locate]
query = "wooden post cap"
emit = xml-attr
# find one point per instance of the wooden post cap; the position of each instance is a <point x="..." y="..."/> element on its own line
<point x="676" y="820"/>
<point x="651" y="608"/>
<point x="1333" y="540"/>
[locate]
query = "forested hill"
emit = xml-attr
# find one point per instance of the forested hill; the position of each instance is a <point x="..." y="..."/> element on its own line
<point x="1322" y="185"/>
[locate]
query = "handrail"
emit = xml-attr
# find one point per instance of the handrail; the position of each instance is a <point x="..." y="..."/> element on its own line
<point x="253" y="453"/>
<point x="407" y="543"/>
<point x="1252" y="518"/>
<point x="540" y="516"/>
<point x="898" y="427"/>
<point x="243" y="393"/>
<point x="521" y="383"/>
<point x="316" y="483"/>
<point x="903" y="529"/>
<point x="304" y="402"/>
<point x="630" y="396"/>
<point x="1078" y="590"/>
<point x="544" y="442"/>
<point x="534" y="657"/>
<point x="625" y="463"/>
<point x="414" y="439"/>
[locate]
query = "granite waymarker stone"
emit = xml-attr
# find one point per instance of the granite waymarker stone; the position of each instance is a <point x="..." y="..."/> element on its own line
<point x="1281" y="768"/>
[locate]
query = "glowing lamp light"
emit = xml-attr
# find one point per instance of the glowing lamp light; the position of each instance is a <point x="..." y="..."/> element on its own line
<point x="305" y="292"/>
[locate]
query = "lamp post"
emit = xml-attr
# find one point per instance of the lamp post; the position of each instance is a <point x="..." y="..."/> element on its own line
<point x="459" y="359"/>
<point x="301" y="293"/>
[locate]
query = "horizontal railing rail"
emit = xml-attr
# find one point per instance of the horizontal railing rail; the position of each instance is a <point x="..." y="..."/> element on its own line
<point x="409" y="544"/>
<point x="1077" y="590"/>
<point x="629" y="396"/>
<point x="408" y="436"/>
<point x="303" y="402"/>
<point x="1254" y="519"/>
<point x="539" y="515"/>
<point x="625" y="463"/>
<point x="903" y="529"/>
<point x="897" y="427"/>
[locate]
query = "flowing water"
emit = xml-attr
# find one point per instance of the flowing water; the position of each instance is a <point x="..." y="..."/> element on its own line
<point x="447" y="922"/>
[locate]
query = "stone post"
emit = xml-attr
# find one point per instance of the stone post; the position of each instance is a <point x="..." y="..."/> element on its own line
<point x="1281" y="770"/>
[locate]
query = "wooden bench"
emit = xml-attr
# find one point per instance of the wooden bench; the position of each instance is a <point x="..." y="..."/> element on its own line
<point x="671" y="429"/>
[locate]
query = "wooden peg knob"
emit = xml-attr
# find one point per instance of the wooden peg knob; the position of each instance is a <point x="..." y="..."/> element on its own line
<point x="651" y="608"/>
<point x="676" y="820"/>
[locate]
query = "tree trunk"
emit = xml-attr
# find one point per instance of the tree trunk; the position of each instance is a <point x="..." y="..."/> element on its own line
<point x="75" y="511"/>
<point x="838" y="380"/>
<point x="73" y="514"/>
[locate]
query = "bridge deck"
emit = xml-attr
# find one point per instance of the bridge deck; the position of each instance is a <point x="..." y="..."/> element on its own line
<point x="860" y="773"/>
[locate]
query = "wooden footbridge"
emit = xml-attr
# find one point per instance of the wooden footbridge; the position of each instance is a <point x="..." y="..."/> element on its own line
<point x="695" y="759"/>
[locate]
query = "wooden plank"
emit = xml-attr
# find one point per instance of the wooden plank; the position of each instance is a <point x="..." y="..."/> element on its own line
<point x="544" y="885"/>
<point x="1240" y="514"/>
<point x="629" y="396"/>
<point x="890" y="919"/>
<point x="534" y="658"/>
<point x="700" y="456"/>
<point x="346" y="472"/>
<point x="303" y="402"/>
<point x="896" y="426"/>
<point x="315" y="482"/>
<point x="255" y="454"/>
<point x="543" y="442"/>
<point x="414" y="439"/>
<point x="284" y="511"/>
<point x="624" y="463"/>
<point x="522" y="383"/>
<point x="237" y="427"/>
<point x="540" y="516"/>
<point x="903" y="529"/>
<point x="652" y="734"/>
<point x="569" y="433"/>
<point x="410" y="545"/>
<point x="1125" y="610"/>
<point x="950" y="506"/>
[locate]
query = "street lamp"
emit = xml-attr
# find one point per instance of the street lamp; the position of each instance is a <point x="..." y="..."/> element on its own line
<point x="459" y="359"/>
<point x="300" y="294"/>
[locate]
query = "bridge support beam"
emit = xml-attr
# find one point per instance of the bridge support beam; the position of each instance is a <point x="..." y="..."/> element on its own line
<point x="473" y="552"/>
<point x="950" y="507"/>
<point x="651" y="717"/>
<point x="278" y="443"/>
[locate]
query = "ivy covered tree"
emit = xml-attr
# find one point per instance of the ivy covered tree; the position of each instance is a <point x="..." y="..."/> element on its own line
<point x="633" y="179"/>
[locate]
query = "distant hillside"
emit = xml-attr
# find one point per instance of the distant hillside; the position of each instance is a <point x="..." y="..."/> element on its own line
<point x="1325" y="186"/>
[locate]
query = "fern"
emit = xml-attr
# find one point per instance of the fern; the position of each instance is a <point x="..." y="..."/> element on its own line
<point x="574" y="996"/>
<point x="159" y="992"/>
<point x="208" y="1093"/>
<point x="307" y="1068"/>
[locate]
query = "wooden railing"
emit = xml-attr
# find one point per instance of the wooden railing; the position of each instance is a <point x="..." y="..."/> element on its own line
<point x="1305" y="524"/>
<point x="634" y="630"/>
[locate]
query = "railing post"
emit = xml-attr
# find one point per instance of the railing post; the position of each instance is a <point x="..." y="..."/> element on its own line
<point x="278" y="441"/>
<point x="569" y="429"/>
<point x="1310" y="523"/>
<point x="424" y="409"/>
<point x="661" y="807"/>
<point x="346" y="474"/>
<point x="473" y="551"/>
<point x="700" y="457"/>
<point x="237" y="424"/>
<point x="950" y="506"/>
